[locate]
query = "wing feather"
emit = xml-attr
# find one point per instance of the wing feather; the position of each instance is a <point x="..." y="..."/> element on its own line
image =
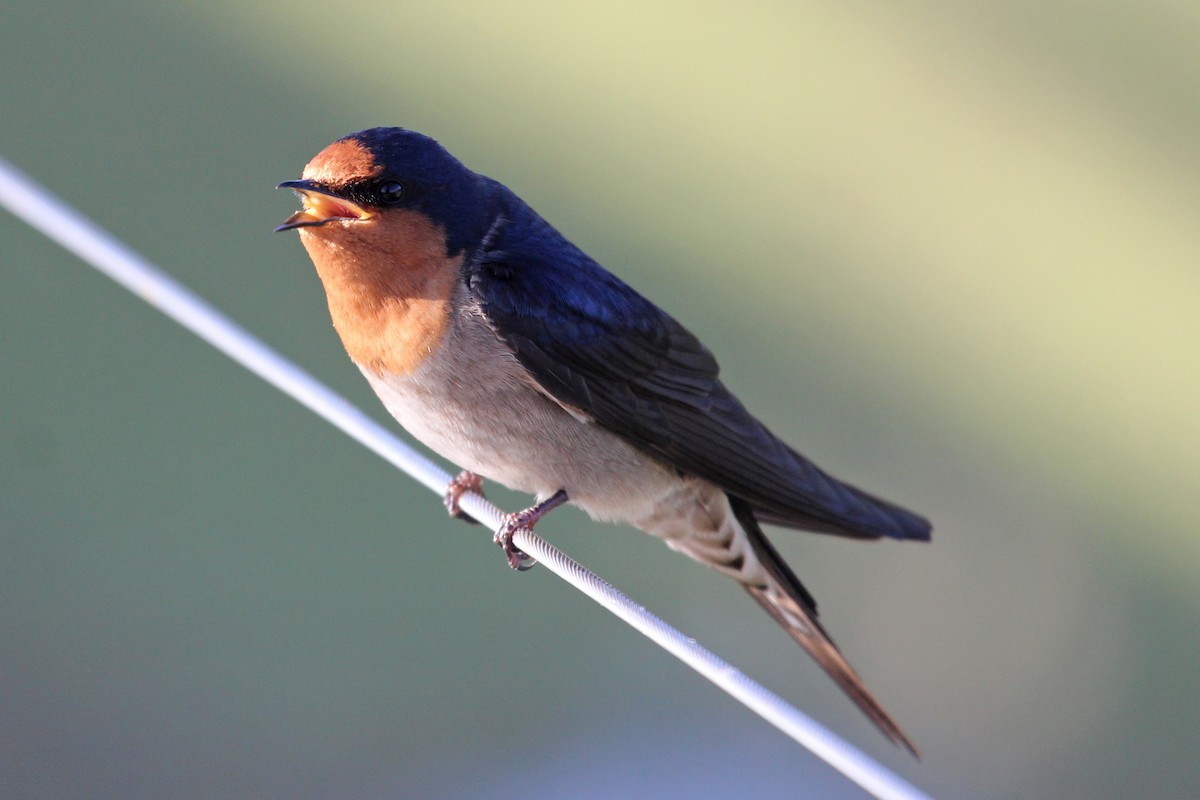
<point x="595" y="344"/>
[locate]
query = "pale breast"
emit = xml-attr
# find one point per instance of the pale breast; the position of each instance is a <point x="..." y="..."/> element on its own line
<point x="473" y="403"/>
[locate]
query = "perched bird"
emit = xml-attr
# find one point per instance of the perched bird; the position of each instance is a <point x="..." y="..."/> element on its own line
<point x="502" y="346"/>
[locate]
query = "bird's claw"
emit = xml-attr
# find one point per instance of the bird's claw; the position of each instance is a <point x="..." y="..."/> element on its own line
<point x="523" y="521"/>
<point x="513" y="524"/>
<point x="459" y="485"/>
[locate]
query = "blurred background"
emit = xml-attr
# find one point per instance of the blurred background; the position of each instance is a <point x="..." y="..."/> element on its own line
<point x="949" y="251"/>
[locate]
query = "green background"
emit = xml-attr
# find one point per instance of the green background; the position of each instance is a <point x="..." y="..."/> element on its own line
<point x="948" y="250"/>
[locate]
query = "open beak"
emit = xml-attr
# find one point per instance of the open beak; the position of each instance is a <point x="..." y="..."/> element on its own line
<point x="319" y="206"/>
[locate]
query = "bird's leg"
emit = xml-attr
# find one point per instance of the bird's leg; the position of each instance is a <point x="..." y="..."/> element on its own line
<point x="462" y="483"/>
<point x="524" y="521"/>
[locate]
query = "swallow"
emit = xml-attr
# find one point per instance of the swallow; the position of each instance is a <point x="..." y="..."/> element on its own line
<point x="503" y="347"/>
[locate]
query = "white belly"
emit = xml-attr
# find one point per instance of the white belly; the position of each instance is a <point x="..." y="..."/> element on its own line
<point x="472" y="403"/>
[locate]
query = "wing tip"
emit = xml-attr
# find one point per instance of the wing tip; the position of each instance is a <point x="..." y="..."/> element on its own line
<point x="909" y="526"/>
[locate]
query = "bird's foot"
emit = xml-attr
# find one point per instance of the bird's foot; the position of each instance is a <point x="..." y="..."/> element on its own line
<point x="462" y="483"/>
<point x="524" y="521"/>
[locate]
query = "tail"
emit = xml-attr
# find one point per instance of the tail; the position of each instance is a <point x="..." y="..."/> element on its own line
<point x="790" y="604"/>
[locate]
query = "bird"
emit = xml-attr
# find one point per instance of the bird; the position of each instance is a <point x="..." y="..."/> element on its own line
<point x="502" y="346"/>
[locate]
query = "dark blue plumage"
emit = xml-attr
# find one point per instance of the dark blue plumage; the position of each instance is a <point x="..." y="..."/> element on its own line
<point x="596" y="344"/>
<point x="435" y="183"/>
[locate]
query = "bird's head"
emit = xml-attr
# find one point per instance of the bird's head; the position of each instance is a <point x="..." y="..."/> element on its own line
<point x="377" y="186"/>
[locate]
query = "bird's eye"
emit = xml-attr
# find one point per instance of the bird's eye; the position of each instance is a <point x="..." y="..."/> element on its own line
<point x="390" y="192"/>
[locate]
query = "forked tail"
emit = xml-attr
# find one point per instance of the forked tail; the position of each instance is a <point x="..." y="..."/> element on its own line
<point x="790" y="604"/>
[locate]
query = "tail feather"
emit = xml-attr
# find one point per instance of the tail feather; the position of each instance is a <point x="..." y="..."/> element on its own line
<point x="791" y="605"/>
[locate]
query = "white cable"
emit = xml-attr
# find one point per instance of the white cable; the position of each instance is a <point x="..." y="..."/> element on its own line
<point x="62" y="224"/>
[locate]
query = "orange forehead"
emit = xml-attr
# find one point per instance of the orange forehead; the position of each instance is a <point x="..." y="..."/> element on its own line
<point x="344" y="161"/>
